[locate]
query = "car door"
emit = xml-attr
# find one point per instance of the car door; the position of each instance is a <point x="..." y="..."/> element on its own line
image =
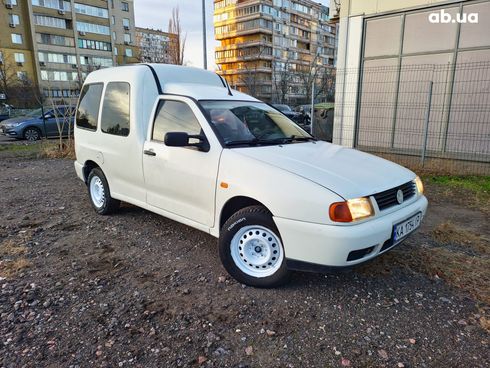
<point x="50" y="123"/>
<point x="181" y="180"/>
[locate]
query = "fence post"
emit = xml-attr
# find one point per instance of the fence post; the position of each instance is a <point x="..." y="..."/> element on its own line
<point x="427" y="118"/>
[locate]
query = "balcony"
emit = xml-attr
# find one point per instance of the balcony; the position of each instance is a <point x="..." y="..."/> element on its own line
<point x="245" y="32"/>
<point x="244" y="44"/>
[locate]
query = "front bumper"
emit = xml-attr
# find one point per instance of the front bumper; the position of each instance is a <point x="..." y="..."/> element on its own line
<point x="9" y="132"/>
<point x="330" y="245"/>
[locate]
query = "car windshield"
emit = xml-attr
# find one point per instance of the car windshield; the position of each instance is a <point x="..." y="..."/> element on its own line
<point x="252" y="123"/>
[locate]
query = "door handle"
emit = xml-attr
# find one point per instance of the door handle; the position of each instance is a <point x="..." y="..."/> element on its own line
<point x="149" y="152"/>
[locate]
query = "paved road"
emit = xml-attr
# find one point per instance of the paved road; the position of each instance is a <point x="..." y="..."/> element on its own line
<point x="5" y="140"/>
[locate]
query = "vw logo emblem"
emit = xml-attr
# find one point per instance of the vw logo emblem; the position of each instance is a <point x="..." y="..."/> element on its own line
<point x="399" y="196"/>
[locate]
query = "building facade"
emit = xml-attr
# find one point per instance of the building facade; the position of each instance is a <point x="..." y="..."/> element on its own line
<point x="414" y="77"/>
<point x="275" y="49"/>
<point x="154" y="45"/>
<point x="52" y="44"/>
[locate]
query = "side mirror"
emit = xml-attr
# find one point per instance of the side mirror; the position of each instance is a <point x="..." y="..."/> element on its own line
<point x="48" y="116"/>
<point x="181" y="139"/>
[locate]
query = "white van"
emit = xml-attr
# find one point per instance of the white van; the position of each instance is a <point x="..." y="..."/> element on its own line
<point x="179" y="142"/>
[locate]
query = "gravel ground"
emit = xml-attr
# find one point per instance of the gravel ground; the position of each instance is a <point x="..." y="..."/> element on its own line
<point x="139" y="290"/>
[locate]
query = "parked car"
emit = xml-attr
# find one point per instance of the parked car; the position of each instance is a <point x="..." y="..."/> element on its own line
<point x="34" y="126"/>
<point x="299" y="117"/>
<point x="179" y="142"/>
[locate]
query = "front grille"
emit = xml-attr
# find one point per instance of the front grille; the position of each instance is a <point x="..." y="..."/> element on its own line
<point x="388" y="199"/>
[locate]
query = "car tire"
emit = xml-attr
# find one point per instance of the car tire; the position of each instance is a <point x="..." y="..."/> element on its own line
<point x="99" y="193"/>
<point x="32" y="134"/>
<point x="250" y="248"/>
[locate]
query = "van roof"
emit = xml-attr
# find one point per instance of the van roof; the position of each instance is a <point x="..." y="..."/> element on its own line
<point x="174" y="79"/>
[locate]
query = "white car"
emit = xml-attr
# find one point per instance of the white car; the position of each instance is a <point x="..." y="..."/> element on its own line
<point x="179" y="142"/>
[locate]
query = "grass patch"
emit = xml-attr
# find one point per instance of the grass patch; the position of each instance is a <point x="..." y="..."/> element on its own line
<point x="477" y="184"/>
<point x="467" y="191"/>
<point x="12" y="258"/>
<point x="54" y="150"/>
<point x="15" y="150"/>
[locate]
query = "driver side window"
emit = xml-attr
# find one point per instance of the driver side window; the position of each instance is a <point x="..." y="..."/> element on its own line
<point x="174" y="116"/>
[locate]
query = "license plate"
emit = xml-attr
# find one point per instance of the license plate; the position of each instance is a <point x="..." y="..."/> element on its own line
<point x="406" y="227"/>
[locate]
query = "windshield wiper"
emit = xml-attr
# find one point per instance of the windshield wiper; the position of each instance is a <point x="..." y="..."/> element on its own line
<point x="297" y="138"/>
<point x="257" y="141"/>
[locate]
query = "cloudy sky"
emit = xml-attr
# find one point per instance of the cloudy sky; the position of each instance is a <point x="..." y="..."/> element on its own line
<point x="156" y="13"/>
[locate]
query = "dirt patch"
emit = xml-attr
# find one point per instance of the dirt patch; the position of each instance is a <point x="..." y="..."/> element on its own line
<point x="138" y="290"/>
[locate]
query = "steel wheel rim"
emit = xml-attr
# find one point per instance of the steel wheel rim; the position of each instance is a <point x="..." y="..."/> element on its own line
<point x="32" y="135"/>
<point x="97" y="192"/>
<point x="257" y="251"/>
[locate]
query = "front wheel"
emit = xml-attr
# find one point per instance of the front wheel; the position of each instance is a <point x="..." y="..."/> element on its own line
<point x="32" y="134"/>
<point x="251" y="250"/>
<point x="100" y="196"/>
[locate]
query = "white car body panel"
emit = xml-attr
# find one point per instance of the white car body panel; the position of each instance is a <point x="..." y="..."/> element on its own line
<point x="296" y="182"/>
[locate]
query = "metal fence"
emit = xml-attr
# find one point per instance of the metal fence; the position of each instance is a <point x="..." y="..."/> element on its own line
<point x="430" y="116"/>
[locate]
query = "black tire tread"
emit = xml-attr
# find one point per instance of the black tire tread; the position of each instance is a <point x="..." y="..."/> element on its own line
<point x="111" y="205"/>
<point x="281" y="276"/>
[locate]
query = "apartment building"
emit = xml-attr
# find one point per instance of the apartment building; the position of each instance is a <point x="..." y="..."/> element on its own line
<point x="154" y="45"/>
<point x="53" y="44"/>
<point x="272" y="48"/>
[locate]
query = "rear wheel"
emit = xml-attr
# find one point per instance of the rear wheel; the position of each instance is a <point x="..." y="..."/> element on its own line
<point x="251" y="248"/>
<point x="32" y="134"/>
<point x="100" y="195"/>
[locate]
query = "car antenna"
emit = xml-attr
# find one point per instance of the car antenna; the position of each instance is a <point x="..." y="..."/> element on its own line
<point x="225" y="83"/>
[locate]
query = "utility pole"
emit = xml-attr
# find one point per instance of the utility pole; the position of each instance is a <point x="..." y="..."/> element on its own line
<point x="312" y="115"/>
<point x="204" y="44"/>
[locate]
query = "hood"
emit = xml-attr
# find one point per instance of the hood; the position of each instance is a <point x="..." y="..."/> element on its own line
<point x="19" y="119"/>
<point x="348" y="172"/>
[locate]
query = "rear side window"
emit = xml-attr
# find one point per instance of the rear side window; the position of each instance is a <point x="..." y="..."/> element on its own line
<point x="88" y="108"/>
<point x="115" y="110"/>
<point x="174" y="116"/>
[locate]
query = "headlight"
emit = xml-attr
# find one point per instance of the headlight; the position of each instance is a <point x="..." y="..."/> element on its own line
<point x="351" y="210"/>
<point x="419" y="184"/>
<point x="12" y="125"/>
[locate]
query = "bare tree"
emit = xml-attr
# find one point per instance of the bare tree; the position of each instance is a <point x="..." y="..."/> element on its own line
<point x="9" y="80"/>
<point x="314" y="72"/>
<point x="177" y="44"/>
<point x="283" y="78"/>
<point x="250" y="77"/>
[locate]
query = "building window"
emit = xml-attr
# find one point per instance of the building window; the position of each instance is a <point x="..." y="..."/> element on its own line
<point x="114" y="35"/>
<point x="129" y="53"/>
<point x="115" y="110"/>
<point x="19" y="57"/>
<point x="125" y="22"/>
<point x="127" y="38"/>
<point x="113" y="20"/>
<point x="124" y="6"/>
<point x="14" y="19"/>
<point x="42" y="20"/>
<point x="48" y="57"/>
<point x="115" y="51"/>
<point x="92" y="28"/>
<point x="49" y="39"/>
<point x="53" y="4"/>
<point x="91" y="10"/>
<point x="16" y="38"/>
<point x="11" y="2"/>
<point x="94" y="45"/>
<point x="96" y="61"/>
